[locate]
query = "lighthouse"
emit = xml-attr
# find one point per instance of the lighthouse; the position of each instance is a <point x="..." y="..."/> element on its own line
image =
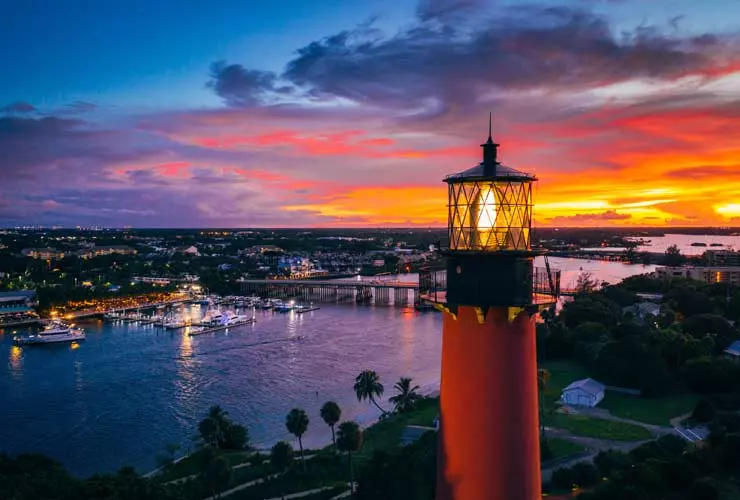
<point x="489" y="428"/>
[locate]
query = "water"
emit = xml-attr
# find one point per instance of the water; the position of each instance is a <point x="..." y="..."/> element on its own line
<point x="119" y="397"/>
<point x="659" y="244"/>
<point x="601" y="270"/>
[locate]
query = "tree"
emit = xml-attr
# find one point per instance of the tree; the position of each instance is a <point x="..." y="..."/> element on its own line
<point x="215" y="472"/>
<point x="218" y="431"/>
<point x="703" y="411"/>
<point x="368" y="386"/>
<point x="281" y="456"/>
<point x="407" y="396"/>
<point x="673" y="256"/>
<point x="350" y="440"/>
<point x="331" y="413"/>
<point x="212" y="428"/>
<point x="297" y="423"/>
<point x="704" y="489"/>
<point x="585" y="283"/>
<point x="543" y="376"/>
<point x="405" y="473"/>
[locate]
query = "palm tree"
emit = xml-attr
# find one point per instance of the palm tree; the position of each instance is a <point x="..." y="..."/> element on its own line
<point x="297" y="423"/>
<point x="368" y="386"/>
<point x="213" y="428"/>
<point x="281" y="456"/>
<point x="349" y="440"/>
<point x="542" y="378"/>
<point x="331" y="413"/>
<point x="407" y="395"/>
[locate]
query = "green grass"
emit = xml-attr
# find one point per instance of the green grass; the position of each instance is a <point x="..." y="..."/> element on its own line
<point x="562" y="373"/>
<point x="189" y="465"/>
<point x="386" y="434"/>
<point x="581" y="425"/>
<point x="651" y="411"/>
<point x="563" y="448"/>
<point x="250" y="473"/>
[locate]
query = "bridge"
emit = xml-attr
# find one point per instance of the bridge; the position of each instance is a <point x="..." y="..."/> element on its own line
<point x="382" y="291"/>
<point x="378" y="291"/>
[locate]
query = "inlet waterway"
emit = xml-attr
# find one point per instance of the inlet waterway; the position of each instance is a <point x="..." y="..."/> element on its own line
<point x="127" y="391"/>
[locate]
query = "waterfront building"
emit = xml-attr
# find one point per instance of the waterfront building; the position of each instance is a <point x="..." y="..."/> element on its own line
<point x="706" y="274"/>
<point x="17" y="305"/>
<point x="489" y="424"/>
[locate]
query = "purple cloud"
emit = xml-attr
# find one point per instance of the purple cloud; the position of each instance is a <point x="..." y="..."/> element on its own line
<point x="19" y="107"/>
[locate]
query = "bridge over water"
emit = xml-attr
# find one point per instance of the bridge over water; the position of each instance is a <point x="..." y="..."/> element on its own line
<point x="380" y="292"/>
<point x="369" y="291"/>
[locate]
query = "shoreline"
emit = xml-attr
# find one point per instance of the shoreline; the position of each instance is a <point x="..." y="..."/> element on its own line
<point x="366" y="420"/>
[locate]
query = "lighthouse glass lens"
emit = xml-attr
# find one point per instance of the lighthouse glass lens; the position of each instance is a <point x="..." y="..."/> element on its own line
<point x="490" y="215"/>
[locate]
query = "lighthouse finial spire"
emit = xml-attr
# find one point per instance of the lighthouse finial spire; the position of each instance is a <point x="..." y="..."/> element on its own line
<point x="490" y="140"/>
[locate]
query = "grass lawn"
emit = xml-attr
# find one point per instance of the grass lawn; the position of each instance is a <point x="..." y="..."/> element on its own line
<point x="563" y="448"/>
<point x="651" y="411"/>
<point x="386" y="434"/>
<point x="562" y="373"/>
<point x="581" y="425"/>
<point x="189" y="465"/>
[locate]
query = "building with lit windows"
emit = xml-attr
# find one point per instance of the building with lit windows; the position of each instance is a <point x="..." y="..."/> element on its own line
<point x="708" y="275"/>
<point x="43" y="253"/>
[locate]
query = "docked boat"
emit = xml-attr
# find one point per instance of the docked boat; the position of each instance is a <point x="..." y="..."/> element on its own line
<point x="53" y="333"/>
<point x="112" y="316"/>
<point x="213" y="318"/>
<point x="239" y="319"/>
<point x="174" y="323"/>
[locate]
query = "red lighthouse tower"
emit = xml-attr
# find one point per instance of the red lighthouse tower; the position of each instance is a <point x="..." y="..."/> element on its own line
<point x="489" y="433"/>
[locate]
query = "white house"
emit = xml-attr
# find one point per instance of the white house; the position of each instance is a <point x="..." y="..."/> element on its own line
<point x="585" y="392"/>
<point x="733" y="352"/>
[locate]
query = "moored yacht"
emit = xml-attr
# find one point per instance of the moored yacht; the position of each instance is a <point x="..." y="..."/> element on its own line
<point x="53" y="333"/>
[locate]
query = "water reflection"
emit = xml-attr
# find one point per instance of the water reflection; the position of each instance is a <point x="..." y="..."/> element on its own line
<point x="15" y="362"/>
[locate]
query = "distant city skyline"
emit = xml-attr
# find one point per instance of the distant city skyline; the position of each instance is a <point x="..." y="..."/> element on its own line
<point x="349" y="114"/>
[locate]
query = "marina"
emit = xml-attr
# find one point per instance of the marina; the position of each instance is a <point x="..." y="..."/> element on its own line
<point x="81" y="399"/>
<point x="76" y="402"/>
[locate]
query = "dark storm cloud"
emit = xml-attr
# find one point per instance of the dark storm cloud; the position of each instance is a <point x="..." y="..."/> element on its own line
<point x="19" y="107"/>
<point x="536" y="48"/>
<point x="440" y="63"/>
<point x="243" y="87"/>
<point x="31" y="146"/>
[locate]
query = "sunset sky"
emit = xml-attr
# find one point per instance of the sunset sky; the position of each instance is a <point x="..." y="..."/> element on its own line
<point x="346" y="113"/>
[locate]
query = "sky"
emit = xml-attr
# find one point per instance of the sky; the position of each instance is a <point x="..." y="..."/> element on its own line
<point x="349" y="113"/>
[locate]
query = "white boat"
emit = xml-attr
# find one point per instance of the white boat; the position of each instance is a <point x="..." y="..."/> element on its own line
<point x="213" y="318"/>
<point x="174" y="324"/>
<point x="239" y="320"/>
<point x="197" y="330"/>
<point x="53" y="333"/>
<point x="283" y="306"/>
<point x="112" y="316"/>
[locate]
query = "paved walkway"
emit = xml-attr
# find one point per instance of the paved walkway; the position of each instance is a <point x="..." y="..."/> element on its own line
<point x="310" y="492"/>
<point x="241" y="487"/>
<point x="593" y="447"/>
<point x="658" y="430"/>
